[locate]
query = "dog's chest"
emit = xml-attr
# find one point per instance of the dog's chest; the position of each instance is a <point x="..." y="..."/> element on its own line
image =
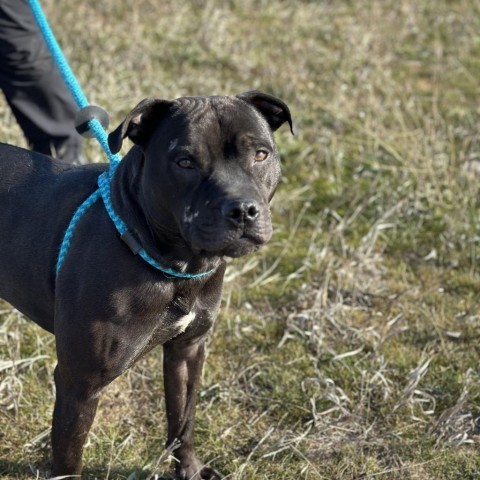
<point x="155" y="317"/>
<point x="181" y="315"/>
<point x="184" y="321"/>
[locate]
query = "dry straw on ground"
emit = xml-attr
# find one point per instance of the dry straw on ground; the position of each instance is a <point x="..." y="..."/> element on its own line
<point x="348" y="348"/>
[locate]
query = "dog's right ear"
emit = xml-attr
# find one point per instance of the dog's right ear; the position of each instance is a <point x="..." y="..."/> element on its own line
<point x="139" y="123"/>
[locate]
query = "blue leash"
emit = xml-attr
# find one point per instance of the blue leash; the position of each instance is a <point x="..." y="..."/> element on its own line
<point x="69" y="78"/>
<point x="104" y="181"/>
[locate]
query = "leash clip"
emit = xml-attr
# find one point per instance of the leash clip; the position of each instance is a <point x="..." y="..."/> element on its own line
<point x="85" y="115"/>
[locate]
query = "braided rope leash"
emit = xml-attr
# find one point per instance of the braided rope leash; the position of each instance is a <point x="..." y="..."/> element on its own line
<point x="68" y="76"/>
<point x="93" y="121"/>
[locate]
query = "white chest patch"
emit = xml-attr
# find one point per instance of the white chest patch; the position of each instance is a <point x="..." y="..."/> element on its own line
<point x="183" y="322"/>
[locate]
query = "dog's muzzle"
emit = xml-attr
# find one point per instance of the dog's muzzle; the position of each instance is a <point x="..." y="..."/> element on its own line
<point x="234" y="228"/>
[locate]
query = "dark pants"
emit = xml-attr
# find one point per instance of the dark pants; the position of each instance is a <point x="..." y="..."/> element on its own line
<point x="33" y="86"/>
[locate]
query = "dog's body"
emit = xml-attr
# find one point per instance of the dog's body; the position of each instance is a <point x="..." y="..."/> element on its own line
<point x="194" y="188"/>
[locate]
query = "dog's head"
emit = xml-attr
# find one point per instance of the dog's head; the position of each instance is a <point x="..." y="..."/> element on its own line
<point x="210" y="167"/>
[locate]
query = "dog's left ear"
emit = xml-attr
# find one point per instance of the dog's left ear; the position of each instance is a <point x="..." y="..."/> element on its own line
<point x="271" y="108"/>
<point x="139" y="123"/>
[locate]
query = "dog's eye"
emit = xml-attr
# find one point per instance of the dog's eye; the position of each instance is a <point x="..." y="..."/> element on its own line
<point x="185" y="163"/>
<point x="260" y="155"/>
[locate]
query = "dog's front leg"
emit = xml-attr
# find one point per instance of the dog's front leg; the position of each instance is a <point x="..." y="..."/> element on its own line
<point x="73" y="415"/>
<point x="182" y="364"/>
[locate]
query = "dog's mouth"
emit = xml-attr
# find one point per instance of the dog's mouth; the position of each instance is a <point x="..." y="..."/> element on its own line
<point x="243" y="246"/>
<point x="228" y="230"/>
<point x="228" y="244"/>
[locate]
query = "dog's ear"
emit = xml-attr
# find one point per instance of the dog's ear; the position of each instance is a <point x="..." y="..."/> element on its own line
<point x="139" y="123"/>
<point x="271" y="108"/>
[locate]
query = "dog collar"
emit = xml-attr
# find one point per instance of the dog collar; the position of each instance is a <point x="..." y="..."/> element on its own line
<point x="103" y="191"/>
<point x="130" y="240"/>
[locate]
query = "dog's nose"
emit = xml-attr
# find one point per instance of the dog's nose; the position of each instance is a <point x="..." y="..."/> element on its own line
<point x="241" y="211"/>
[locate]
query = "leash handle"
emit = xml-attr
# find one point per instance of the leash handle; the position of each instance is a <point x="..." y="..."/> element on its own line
<point x="70" y="80"/>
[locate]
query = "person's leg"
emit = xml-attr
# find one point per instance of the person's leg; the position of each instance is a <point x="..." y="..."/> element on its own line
<point x="33" y="86"/>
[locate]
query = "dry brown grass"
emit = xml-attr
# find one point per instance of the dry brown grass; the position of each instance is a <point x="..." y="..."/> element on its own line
<point x="348" y="348"/>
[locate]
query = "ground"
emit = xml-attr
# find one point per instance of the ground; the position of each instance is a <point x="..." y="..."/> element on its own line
<point x="348" y="347"/>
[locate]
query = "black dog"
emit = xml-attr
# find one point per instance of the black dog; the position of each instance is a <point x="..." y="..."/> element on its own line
<point x="195" y="188"/>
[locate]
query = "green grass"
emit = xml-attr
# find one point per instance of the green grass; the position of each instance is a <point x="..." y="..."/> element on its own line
<point x="348" y="348"/>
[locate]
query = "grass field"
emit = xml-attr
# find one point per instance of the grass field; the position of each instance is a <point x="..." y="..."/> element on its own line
<point x="348" y="347"/>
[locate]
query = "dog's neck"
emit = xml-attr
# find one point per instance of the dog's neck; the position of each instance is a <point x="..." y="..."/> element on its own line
<point x="162" y="241"/>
